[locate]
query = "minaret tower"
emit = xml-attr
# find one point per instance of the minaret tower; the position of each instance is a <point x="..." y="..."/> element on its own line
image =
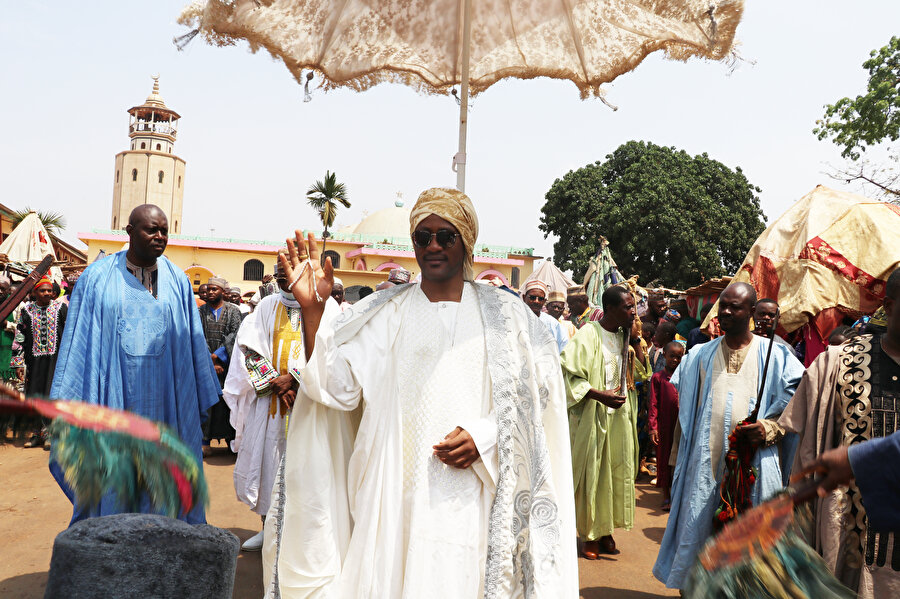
<point x="149" y="173"/>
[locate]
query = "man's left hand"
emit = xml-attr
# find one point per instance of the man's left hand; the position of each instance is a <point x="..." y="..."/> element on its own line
<point x="457" y="449"/>
<point x="288" y="398"/>
<point x="220" y="370"/>
<point x="754" y="433"/>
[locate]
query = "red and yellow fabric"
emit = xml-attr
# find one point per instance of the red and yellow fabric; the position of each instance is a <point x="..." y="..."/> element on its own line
<point x="826" y="257"/>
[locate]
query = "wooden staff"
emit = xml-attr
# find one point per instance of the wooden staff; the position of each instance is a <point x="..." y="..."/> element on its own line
<point x="25" y="287"/>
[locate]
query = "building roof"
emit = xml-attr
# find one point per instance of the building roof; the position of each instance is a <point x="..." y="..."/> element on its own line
<point x="390" y="222"/>
<point x="154" y="104"/>
<point x="377" y="244"/>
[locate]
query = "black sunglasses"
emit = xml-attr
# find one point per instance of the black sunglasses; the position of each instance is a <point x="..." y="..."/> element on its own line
<point x="445" y="238"/>
<point x="536" y="298"/>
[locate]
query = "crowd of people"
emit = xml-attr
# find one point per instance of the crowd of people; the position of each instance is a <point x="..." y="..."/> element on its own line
<point x="449" y="438"/>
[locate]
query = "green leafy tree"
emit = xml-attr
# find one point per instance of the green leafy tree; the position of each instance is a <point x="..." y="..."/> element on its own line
<point x="669" y="217"/>
<point x="54" y="222"/>
<point x="869" y="120"/>
<point x="324" y="197"/>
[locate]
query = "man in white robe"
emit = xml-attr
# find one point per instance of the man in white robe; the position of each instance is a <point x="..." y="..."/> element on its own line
<point x="534" y="294"/>
<point x="258" y="389"/>
<point x="428" y="450"/>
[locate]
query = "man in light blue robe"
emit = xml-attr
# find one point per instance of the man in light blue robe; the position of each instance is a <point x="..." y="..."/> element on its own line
<point x="134" y="341"/>
<point x="717" y="384"/>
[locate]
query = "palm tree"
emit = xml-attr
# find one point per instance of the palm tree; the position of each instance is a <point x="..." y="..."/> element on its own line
<point x="324" y="197"/>
<point x="54" y="222"/>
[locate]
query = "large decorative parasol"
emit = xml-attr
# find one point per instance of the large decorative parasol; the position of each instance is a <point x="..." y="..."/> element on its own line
<point x="828" y="256"/>
<point x="434" y="45"/>
<point x="602" y="273"/>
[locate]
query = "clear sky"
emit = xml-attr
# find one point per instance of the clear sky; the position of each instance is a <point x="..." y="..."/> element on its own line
<point x="70" y="70"/>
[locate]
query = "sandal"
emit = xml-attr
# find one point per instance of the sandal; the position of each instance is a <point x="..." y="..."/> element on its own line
<point x="34" y="441"/>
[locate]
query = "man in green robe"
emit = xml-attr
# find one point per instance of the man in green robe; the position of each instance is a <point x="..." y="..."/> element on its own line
<point x="603" y="420"/>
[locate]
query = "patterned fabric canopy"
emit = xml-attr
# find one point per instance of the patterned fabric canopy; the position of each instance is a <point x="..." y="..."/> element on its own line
<point x="360" y="43"/>
<point x="828" y="255"/>
<point x="601" y="274"/>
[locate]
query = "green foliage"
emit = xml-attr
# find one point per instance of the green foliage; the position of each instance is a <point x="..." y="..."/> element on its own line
<point x="324" y="197"/>
<point x="668" y="216"/>
<point x="871" y="118"/>
<point x="54" y="222"/>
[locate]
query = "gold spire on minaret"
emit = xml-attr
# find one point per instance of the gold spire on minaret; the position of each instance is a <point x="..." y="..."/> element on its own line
<point x="154" y="99"/>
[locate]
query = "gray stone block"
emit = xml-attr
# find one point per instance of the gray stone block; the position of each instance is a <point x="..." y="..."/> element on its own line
<point x="142" y="555"/>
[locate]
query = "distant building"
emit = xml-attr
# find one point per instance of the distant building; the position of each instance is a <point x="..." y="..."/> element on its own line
<point x="362" y="254"/>
<point x="149" y="172"/>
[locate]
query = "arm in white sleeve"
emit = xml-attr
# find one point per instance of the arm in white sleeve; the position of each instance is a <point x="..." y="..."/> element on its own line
<point x="327" y="377"/>
<point x="484" y="433"/>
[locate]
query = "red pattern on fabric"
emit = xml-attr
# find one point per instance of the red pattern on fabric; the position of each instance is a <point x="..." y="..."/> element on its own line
<point x="764" y="277"/>
<point x="818" y="250"/>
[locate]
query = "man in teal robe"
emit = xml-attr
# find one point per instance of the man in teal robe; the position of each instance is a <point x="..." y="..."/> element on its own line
<point x="717" y="385"/>
<point x="603" y="421"/>
<point x="133" y="341"/>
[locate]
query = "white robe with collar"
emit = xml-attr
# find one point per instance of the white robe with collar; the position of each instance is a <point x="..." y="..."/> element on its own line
<point x="362" y="509"/>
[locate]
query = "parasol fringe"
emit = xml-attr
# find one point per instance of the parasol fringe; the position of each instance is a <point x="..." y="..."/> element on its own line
<point x="181" y="41"/>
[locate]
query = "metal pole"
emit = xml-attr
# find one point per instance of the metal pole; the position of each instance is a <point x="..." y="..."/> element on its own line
<point x="459" y="161"/>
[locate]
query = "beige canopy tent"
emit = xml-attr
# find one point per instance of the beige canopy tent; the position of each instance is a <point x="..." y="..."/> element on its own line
<point x="550" y="275"/>
<point x="28" y="243"/>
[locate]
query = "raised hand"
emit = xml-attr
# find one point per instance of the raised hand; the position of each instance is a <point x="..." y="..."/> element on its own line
<point x="311" y="286"/>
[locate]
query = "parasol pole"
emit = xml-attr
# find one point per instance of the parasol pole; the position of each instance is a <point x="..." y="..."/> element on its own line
<point x="459" y="161"/>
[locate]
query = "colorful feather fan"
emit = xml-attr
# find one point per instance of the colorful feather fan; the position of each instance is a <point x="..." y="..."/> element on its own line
<point x="762" y="555"/>
<point x="101" y="450"/>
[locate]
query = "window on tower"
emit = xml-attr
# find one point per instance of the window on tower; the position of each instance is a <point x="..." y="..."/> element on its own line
<point x="117" y="176"/>
<point x="143" y="145"/>
<point x="161" y="175"/>
<point x="134" y="174"/>
<point x="158" y="147"/>
<point x="179" y="181"/>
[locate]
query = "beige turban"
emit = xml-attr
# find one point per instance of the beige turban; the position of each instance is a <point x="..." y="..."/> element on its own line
<point x="576" y="291"/>
<point x="218" y="281"/>
<point x="456" y="208"/>
<point x="556" y="296"/>
<point x="535" y="284"/>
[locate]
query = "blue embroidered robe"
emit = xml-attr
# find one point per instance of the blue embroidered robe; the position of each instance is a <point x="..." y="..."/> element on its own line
<point x="123" y="348"/>
<point x="695" y="491"/>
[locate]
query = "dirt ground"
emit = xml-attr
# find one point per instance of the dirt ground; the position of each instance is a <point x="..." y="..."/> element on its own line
<point x="33" y="511"/>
